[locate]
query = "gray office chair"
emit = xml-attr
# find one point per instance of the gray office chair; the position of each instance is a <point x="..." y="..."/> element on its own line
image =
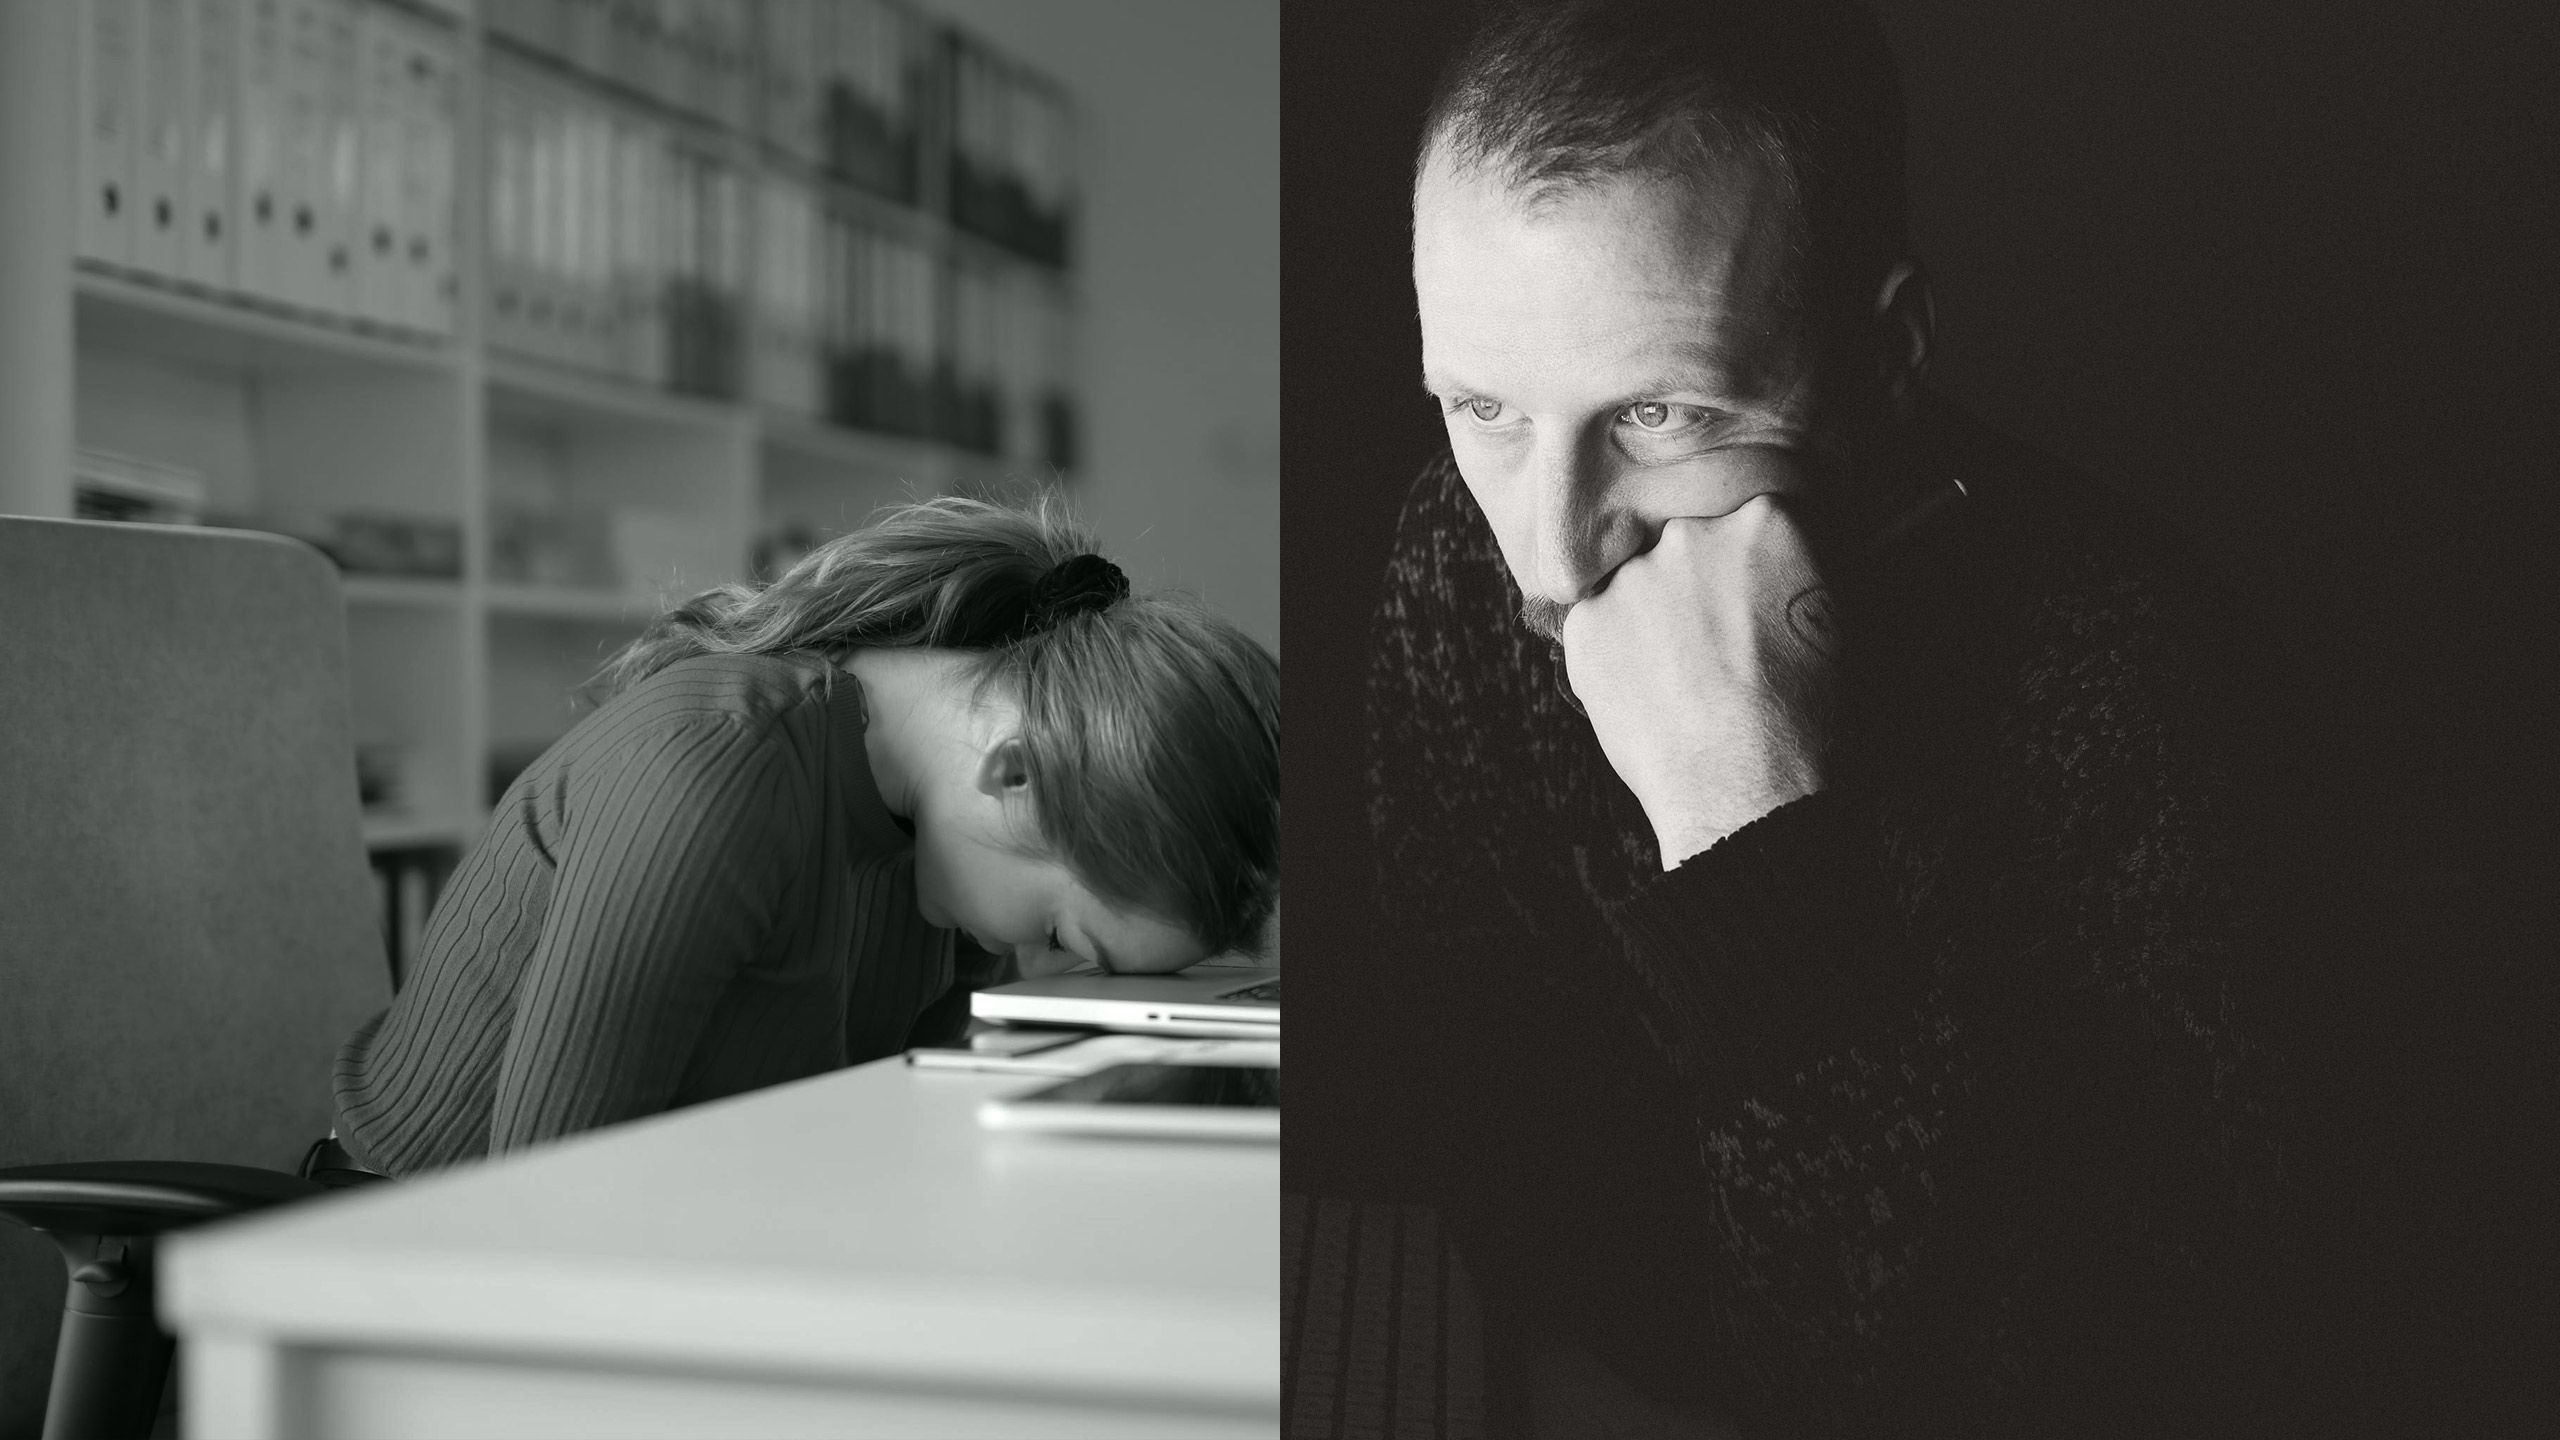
<point x="187" y="926"/>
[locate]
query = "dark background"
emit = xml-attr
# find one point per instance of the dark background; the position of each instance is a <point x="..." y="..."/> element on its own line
<point x="2285" y="273"/>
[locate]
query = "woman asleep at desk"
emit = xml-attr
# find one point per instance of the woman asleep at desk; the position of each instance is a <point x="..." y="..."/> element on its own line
<point x="751" y="864"/>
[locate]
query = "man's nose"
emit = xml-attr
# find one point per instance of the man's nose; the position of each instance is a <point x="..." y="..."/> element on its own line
<point x="1578" y="532"/>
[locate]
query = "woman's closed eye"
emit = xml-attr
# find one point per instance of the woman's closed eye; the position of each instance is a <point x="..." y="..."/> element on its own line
<point x="1099" y="962"/>
<point x="1043" y="957"/>
<point x="1067" y="959"/>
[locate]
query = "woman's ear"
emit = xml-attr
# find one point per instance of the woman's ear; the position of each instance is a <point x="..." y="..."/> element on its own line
<point x="1004" y="771"/>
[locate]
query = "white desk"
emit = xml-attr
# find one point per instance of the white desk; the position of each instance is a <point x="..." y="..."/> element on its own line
<point x="848" y="1255"/>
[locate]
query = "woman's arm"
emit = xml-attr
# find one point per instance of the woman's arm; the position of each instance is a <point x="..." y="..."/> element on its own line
<point x="673" y="862"/>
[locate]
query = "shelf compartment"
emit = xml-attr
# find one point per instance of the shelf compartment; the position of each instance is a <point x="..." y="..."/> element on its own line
<point x="799" y="443"/>
<point x="295" y="450"/>
<point x="390" y="591"/>
<point x="592" y="517"/>
<point x="408" y="713"/>
<point x="628" y="609"/>
<point x="815" y="481"/>
<point x="542" y="666"/>
<point x="408" y="830"/>
<point x="532" y="392"/>
<point x="116" y="313"/>
<point x="994" y="477"/>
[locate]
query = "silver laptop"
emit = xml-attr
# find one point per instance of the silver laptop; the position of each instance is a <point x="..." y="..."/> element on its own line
<point x="1206" y="1000"/>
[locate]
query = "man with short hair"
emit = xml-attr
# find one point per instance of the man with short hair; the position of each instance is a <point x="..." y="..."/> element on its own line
<point x="1822" y="812"/>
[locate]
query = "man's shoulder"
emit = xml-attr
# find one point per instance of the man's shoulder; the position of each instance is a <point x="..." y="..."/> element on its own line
<point x="1437" y="486"/>
<point x="1444" y="570"/>
<point x="2063" y="546"/>
<point x="1438" y="523"/>
<point x="2098" y="630"/>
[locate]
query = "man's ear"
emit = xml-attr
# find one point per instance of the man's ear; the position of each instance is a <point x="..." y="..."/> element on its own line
<point x="1906" y="315"/>
<point x="1004" y="771"/>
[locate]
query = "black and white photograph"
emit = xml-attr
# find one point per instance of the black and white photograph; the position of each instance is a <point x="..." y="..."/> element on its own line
<point x="640" y="705"/>
<point x="1920" y="805"/>
<point x="640" y="745"/>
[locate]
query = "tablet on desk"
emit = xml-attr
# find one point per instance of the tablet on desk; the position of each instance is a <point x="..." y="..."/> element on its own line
<point x="1198" y="1102"/>
<point x="1087" y="1051"/>
<point x="1232" y="1001"/>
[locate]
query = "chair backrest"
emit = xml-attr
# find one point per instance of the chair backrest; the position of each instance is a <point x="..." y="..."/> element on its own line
<point x="187" y="919"/>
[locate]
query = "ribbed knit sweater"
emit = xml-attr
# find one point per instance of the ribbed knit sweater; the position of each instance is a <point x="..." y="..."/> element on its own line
<point x="1924" y="1104"/>
<point x="696" y="892"/>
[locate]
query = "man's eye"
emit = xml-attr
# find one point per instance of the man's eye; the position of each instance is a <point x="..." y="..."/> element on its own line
<point x="1661" y="417"/>
<point x="1483" y="412"/>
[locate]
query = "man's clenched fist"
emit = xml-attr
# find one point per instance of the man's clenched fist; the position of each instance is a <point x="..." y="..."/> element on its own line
<point x="1706" y="665"/>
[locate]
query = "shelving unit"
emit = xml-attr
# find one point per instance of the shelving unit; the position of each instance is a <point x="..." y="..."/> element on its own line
<point x="574" y="500"/>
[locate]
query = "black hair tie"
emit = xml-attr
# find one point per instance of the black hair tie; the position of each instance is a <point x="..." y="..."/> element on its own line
<point x="1074" y="586"/>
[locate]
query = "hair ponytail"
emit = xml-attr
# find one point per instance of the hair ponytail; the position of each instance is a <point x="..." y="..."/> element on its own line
<point x="949" y="572"/>
<point x="1151" y="727"/>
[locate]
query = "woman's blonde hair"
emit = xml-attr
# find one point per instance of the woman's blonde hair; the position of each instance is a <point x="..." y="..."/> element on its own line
<point x="1150" y="726"/>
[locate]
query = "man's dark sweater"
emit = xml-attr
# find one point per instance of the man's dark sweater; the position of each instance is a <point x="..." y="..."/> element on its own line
<point x="1926" y="1100"/>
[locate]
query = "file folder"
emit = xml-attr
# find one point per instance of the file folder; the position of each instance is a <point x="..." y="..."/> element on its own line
<point x="684" y="268"/>
<point x="595" y="237"/>
<point x="302" y="177"/>
<point x="160" y="140"/>
<point x="788" y="77"/>
<point x="555" y="304"/>
<point x="537" y="278"/>
<point x="508" y="190"/>
<point x="835" y="331"/>
<point x="786" y="305"/>
<point x="729" y="262"/>
<point x="806" y="392"/>
<point x="260" y="204"/>
<point x="639" y="237"/>
<point x="212" y="122"/>
<point x="379" y="234"/>
<point x="110" y="66"/>
<point x="340" y="193"/>
<point x="429" y="222"/>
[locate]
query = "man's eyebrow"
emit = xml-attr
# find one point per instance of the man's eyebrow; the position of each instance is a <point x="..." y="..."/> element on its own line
<point x="1698" y="364"/>
<point x="1706" y="365"/>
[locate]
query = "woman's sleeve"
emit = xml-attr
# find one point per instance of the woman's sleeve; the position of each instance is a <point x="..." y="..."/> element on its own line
<point x="944" y="1021"/>
<point x="673" y="863"/>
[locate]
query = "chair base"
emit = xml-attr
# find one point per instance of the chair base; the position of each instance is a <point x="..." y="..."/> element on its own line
<point x="110" y="1370"/>
<point x="111" y="1367"/>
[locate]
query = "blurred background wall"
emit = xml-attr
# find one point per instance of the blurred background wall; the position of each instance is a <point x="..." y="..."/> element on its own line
<point x="1179" y="244"/>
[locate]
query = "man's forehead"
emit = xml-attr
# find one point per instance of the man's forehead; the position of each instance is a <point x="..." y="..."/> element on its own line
<point x="1632" y="272"/>
<point x="1718" y="196"/>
